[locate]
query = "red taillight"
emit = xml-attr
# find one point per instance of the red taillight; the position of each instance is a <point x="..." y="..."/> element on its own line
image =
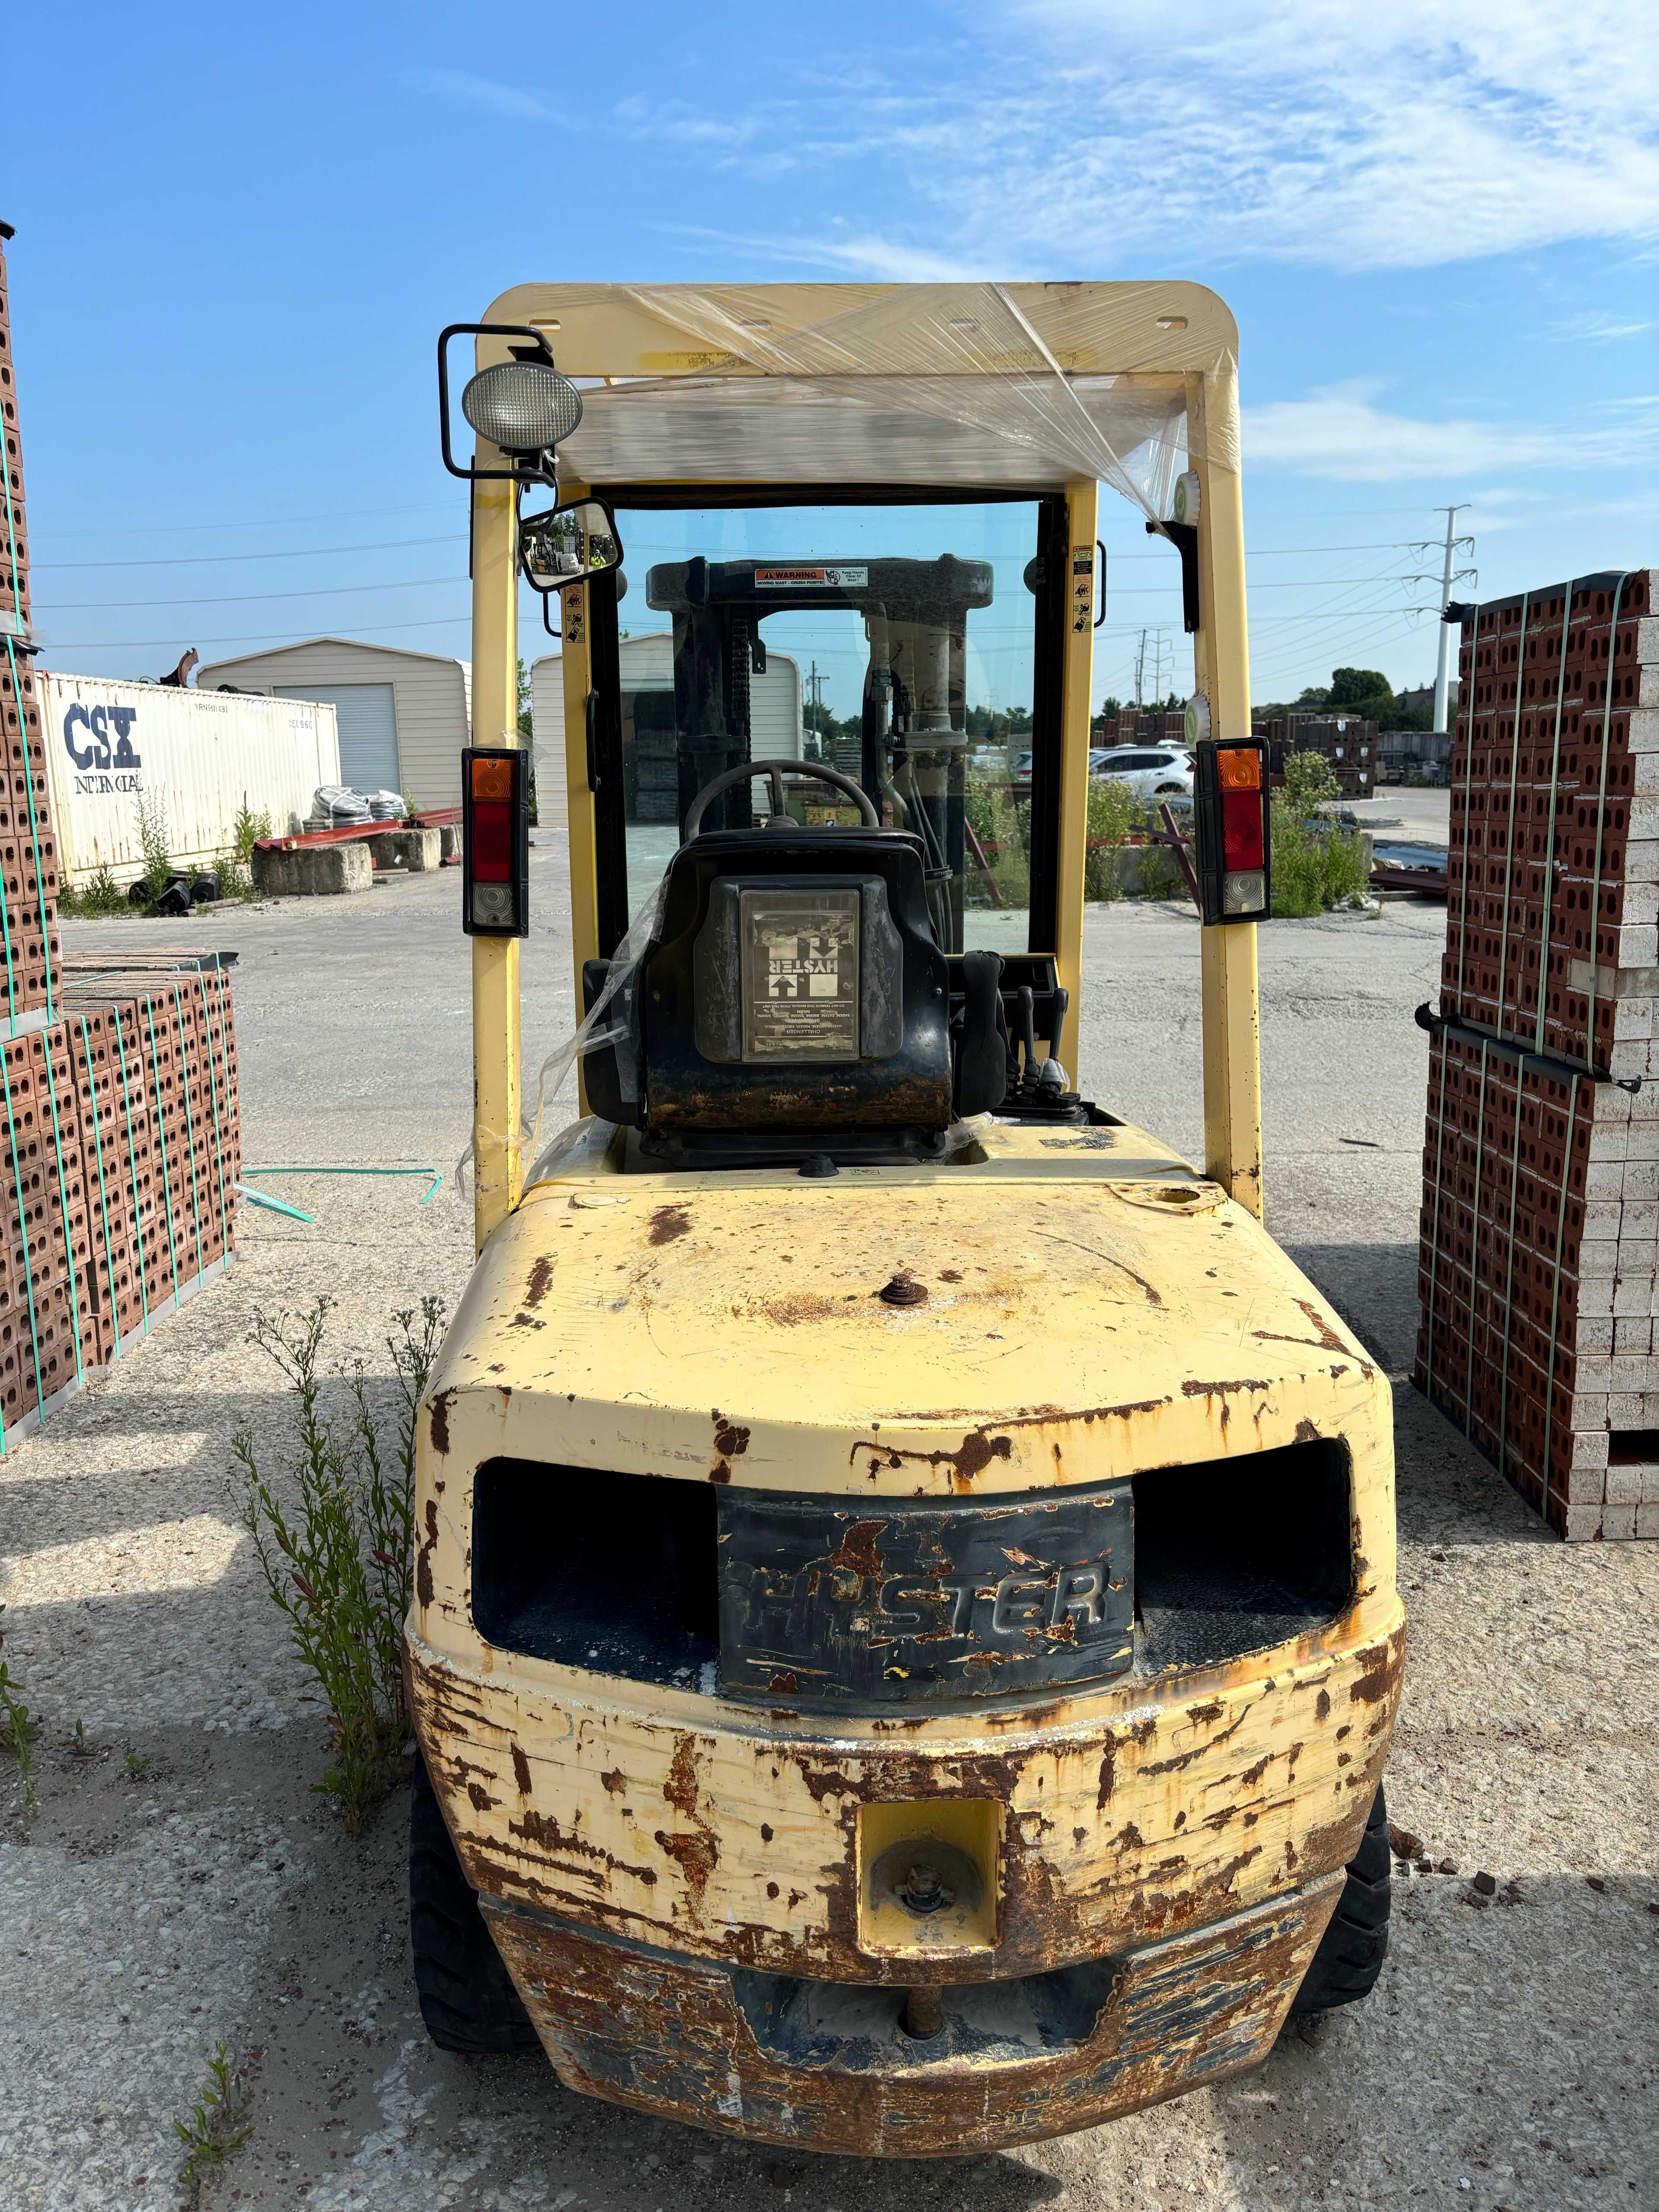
<point x="492" y="840"/>
<point x="1242" y="841"/>
<point x="1230" y="830"/>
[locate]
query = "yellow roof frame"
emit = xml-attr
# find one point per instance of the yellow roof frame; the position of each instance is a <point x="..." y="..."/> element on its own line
<point x="1175" y="337"/>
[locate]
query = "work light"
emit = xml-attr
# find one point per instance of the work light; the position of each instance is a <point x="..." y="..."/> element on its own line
<point x="522" y="406"/>
<point x="1231" y="831"/>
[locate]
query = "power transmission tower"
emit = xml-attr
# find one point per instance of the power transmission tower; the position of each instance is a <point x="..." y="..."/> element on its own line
<point x="1141" y="664"/>
<point x="1450" y="574"/>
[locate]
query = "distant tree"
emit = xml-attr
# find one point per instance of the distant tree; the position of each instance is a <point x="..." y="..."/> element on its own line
<point x="1349" y="686"/>
<point x="523" y="703"/>
<point x="1109" y="705"/>
<point x="1313" y="699"/>
<point x="1174" y="704"/>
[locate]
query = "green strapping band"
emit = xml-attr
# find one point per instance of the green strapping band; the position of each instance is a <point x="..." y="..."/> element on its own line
<point x="62" y="1202"/>
<point x="28" y="1271"/>
<point x="190" y="1133"/>
<point x="212" y="1099"/>
<point x="5" y="923"/>
<point x="1549" y="837"/>
<point x="103" y="1194"/>
<point x="132" y="1162"/>
<point x="1600" y="824"/>
<point x="1514" y="766"/>
<point x="34" y="830"/>
<point x="161" y="1144"/>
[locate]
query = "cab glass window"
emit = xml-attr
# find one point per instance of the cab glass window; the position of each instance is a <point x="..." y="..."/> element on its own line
<point x="899" y="645"/>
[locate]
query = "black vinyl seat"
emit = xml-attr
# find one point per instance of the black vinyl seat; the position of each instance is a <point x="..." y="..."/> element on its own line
<point x="794" y="984"/>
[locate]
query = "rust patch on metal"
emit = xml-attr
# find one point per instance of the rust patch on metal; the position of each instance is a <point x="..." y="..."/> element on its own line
<point x="429" y="1544"/>
<point x="1183" y="1758"/>
<point x="1306" y="1433"/>
<point x="669" y="1222"/>
<point x="1107" y="1777"/>
<point x="1383" y="1663"/>
<point x="731" y="1439"/>
<point x="521" y="1771"/>
<point x="1323" y="1705"/>
<point x="541" y="1275"/>
<point x="1325" y="1340"/>
<point x="857" y="1554"/>
<point x="439" y="1420"/>
<point x="1201" y="1716"/>
<point x="615" y="1781"/>
<point x="1223" y="1389"/>
<point x="785" y="1685"/>
<point x="697" y="1856"/>
<point x="481" y="1800"/>
<point x="542" y="1831"/>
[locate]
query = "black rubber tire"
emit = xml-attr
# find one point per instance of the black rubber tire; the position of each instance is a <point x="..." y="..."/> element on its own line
<point x="1353" y="1947"/>
<point x="467" y="1998"/>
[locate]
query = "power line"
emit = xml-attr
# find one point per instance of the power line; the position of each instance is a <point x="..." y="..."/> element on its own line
<point x="207" y="560"/>
<point x="242" y="522"/>
<point x="242" y="598"/>
<point x="246" y="637"/>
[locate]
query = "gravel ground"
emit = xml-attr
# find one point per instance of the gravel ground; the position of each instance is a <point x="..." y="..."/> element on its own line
<point x="182" y="1884"/>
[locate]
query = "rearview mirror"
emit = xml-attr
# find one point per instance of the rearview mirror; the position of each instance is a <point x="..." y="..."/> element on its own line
<point x="568" y="544"/>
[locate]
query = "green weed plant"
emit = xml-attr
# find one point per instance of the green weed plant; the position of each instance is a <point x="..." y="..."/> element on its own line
<point x="338" y="1559"/>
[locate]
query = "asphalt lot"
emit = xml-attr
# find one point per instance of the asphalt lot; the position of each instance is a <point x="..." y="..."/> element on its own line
<point x="183" y="1885"/>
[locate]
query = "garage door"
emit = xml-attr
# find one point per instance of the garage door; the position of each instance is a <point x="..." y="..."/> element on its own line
<point x="368" y="716"/>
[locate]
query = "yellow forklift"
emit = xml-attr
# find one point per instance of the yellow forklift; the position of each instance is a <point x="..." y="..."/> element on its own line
<point x="905" y="1641"/>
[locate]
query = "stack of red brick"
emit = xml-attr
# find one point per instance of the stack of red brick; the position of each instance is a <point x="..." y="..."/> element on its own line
<point x="1346" y="741"/>
<point x="1539" y="1270"/>
<point x="120" y="1153"/>
<point x="119" y="1145"/>
<point x="28" y="857"/>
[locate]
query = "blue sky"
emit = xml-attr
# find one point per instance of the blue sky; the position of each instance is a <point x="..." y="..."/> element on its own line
<point x="239" y="231"/>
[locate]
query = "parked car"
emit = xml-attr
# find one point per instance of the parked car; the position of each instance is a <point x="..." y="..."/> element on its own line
<point x="1150" y="771"/>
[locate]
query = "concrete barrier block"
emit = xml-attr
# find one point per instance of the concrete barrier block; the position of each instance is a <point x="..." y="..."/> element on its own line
<point x="413" y="849"/>
<point x="450" y="832"/>
<point x="313" y="872"/>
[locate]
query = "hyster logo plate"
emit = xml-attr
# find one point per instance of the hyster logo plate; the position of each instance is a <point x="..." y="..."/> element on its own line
<point x="831" y="1600"/>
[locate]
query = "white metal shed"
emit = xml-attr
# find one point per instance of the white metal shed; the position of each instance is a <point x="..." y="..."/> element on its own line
<point x="403" y="717"/>
<point x="647" y="666"/>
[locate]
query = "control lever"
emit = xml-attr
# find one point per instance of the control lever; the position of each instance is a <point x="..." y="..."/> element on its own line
<point x="1051" y="1076"/>
<point x="981" y="1058"/>
<point x="1028" y="1040"/>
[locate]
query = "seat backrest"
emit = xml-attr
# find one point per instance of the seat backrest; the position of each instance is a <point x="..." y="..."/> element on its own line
<point x="794" y="982"/>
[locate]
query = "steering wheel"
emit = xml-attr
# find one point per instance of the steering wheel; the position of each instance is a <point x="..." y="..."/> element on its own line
<point x="774" y="771"/>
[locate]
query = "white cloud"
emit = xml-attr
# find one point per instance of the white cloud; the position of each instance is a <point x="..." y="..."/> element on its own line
<point x="864" y="255"/>
<point x="1084" y="132"/>
<point x="484" y="92"/>
<point x="1338" y="431"/>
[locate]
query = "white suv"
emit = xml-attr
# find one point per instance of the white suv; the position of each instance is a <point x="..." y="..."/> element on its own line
<point x="1150" y="771"/>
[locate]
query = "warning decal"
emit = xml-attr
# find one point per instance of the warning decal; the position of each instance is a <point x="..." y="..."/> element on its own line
<point x="801" y="975"/>
<point x="812" y="578"/>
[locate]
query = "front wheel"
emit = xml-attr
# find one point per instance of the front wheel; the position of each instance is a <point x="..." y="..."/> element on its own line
<point x="1175" y="790"/>
<point x="467" y="1998"/>
<point x="1352" y="1950"/>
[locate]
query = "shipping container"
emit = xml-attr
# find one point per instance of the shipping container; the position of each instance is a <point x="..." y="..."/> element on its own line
<point x="403" y="717"/>
<point x="198" y="757"/>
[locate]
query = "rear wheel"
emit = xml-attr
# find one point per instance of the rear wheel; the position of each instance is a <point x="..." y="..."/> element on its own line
<point x="467" y="1998"/>
<point x="1352" y="1950"/>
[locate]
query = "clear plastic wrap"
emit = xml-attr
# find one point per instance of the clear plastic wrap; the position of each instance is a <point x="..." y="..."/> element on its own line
<point x="920" y="384"/>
